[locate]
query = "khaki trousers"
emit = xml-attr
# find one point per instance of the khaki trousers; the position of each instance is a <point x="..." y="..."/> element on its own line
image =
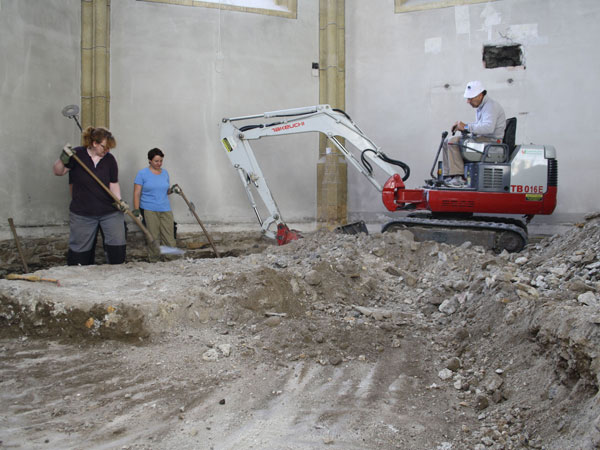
<point x="160" y="226"/>
<point x="453" y="163"/>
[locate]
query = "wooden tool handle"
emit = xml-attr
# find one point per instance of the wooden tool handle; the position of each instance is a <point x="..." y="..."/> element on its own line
<point x="18" y="244"/>
<point x="212" y="244"/>
<point x="14" y="276"/>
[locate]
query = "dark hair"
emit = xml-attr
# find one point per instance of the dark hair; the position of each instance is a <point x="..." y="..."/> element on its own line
<point x="155" y="152"/>
<point x="484" y="92"/>
<point x="92" y="134"/>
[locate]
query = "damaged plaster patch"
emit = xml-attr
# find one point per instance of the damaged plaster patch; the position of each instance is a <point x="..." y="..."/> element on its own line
<point x="491" y="18"/>
<point x="462" y="20"/>
<point x="526" y="33"/>
<point x="433" y="45"/>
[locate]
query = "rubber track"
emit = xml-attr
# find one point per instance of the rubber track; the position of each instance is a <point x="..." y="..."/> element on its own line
<point x="477" y="223"/>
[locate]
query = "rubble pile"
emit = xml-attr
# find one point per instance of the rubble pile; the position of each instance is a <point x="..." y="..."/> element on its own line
<point x="366" y="341"/>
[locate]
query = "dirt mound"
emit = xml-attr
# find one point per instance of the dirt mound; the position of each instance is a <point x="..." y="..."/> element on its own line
<point x="363" y="341"/>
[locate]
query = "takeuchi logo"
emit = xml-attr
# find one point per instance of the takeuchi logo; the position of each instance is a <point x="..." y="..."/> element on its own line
<point x="289" y="126"/>
<point x="531" y="151"/>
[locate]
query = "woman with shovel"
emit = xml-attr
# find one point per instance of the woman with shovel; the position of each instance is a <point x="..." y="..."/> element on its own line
<point x="91" y="207"/>
<point x="150" y="198"/>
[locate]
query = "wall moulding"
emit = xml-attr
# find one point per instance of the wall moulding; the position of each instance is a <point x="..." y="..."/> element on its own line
<point x="289" y="8"/>
<point x="402" y="6"/>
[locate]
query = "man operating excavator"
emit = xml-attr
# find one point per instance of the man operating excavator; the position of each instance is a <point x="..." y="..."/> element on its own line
<point x="489" y="125"/>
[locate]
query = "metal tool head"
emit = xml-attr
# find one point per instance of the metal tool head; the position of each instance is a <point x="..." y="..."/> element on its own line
<point x="165" y="250"/>
<point x="70" y="111"/>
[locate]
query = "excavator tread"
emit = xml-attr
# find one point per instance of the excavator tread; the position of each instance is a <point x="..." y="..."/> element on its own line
<point x="510" y="234"/>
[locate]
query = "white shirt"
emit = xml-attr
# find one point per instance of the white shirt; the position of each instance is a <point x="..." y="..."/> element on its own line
<point x="490" y="119"/>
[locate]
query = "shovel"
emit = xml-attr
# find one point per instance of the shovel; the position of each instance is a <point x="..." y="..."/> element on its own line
<point x="179" y="191"/>
<point x="154" y="249"/>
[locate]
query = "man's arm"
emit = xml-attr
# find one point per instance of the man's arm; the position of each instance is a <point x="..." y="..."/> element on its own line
<point x="490" y="113"/>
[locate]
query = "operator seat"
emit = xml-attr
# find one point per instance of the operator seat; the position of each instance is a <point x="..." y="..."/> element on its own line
<point x="499" y="152"/>
<point x="510" y="133"/>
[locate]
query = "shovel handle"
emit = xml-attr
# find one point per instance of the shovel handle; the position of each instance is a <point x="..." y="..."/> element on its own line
<point x="18" y="243"/>
<point x="212" y="244"/>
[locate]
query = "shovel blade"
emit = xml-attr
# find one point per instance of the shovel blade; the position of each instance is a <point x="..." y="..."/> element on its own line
<point x="165" y="250"/>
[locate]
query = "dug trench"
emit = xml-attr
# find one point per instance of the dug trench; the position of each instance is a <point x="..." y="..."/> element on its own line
<point x="336" y="341"/>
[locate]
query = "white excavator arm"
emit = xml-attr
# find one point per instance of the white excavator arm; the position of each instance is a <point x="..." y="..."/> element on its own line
<point x="236" y="133"/>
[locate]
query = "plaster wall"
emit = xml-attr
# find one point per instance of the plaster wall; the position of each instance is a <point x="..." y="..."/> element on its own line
<point x="397" y="77"/>
<point x="176" y="71"/>
<point x="39" y="75"/>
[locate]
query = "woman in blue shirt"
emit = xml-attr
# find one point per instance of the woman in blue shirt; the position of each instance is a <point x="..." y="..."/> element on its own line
<point x="150" y="197"/>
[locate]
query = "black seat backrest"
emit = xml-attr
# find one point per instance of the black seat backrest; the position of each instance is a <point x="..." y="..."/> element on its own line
<point x="510" y="133"/>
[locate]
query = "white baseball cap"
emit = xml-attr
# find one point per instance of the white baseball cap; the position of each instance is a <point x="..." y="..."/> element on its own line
<point x="473" y="89"/>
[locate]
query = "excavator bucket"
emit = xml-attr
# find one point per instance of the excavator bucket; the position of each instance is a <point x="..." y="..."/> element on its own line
<point x="285" y="235"/>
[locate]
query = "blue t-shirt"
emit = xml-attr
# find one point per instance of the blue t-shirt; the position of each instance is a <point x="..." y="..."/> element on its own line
<point x="154" y="190"/>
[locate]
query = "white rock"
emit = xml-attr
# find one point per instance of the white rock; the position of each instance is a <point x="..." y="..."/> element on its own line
<point x="449" y="306"/>
<point x="521" y="260"/>
<point x="492" y="382"/>
<point x="445" y="374"/>
<point x="210" y="355"/>
<point x="559" y="271"/>
<point x="588" y="298"/>
<point x="225" y="349"/>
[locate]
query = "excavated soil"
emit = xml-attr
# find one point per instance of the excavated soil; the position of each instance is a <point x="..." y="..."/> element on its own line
<point x="333" y="341"/>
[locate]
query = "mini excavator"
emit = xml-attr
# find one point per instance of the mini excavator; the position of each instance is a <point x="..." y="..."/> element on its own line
<point x="502" y="179"/>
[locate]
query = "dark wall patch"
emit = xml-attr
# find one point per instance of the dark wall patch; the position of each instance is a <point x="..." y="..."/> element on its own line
<point x="502" y="56"/>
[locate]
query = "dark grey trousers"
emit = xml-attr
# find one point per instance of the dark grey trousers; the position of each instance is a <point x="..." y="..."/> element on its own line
<point x="82" y="238"/>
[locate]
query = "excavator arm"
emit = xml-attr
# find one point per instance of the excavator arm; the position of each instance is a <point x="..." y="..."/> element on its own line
<point x="237" y="132"/>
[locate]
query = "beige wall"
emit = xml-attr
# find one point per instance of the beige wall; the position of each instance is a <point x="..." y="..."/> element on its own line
<point x="396" y="83"/>
<point x="176" y="71"/>
<point x="39" y="75"/>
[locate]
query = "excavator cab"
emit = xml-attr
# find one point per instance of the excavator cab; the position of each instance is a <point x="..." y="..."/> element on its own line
<point x="487" y="164"/>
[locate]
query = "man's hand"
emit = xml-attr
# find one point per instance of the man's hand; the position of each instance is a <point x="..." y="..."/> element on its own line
<point x="460" y="126"/>
<point x="121" y="205"/>
<point x="66" y="154"/>
<point x="176" y="189"/>
<point x="136" y="212"/>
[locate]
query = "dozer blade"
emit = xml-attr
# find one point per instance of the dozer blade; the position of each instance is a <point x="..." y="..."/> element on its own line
<point x="353" y="228"/>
